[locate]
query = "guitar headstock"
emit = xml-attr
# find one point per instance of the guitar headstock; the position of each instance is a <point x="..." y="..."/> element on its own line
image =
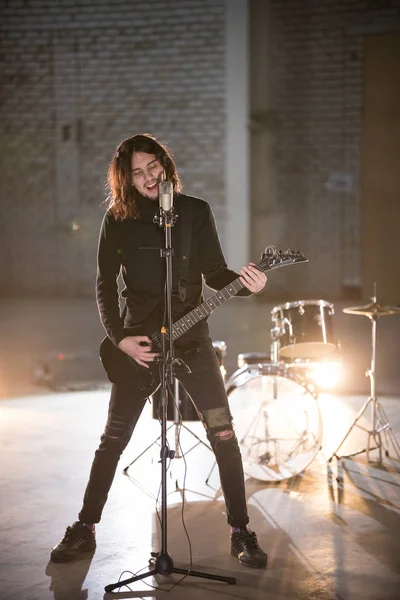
<point x="272" y="258"/>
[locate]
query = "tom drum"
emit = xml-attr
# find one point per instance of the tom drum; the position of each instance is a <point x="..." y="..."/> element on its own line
<point x="304" y="329"/>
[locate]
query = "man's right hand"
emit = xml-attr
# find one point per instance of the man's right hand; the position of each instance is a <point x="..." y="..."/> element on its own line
<point x="138" y="347"/>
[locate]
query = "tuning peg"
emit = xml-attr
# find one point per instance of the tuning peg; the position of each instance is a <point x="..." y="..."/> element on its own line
<point x="269" y="252"/>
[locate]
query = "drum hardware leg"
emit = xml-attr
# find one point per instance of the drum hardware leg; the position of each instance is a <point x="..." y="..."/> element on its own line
<point x="125" y="470"/>
<point x="256" y="440"/>
<point x="177" y="423"/>
<point x="212" y="469"/>
<point x="388" y="433"/>
<point x="199" y="440"/>
<point x="379" y="420"/>
<point x="300" y="444"/>
<point x="264" y="456"/>
<point x="269" y="441"/>
<point x="254" y="423"/>
<point x="370" y="433"/>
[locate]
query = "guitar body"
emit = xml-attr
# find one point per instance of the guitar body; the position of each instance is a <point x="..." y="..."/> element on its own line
<point x="122" y="369"/>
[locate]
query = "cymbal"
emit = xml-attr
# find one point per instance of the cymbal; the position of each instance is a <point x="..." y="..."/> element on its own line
<point x="372" y="310"/>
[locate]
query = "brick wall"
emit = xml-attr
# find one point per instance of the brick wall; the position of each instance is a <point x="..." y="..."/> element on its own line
<point x="314" y="121"/>
<point x="77" y="78"/>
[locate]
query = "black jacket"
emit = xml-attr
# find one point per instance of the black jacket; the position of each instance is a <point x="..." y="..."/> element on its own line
<point x="122" y="248"/>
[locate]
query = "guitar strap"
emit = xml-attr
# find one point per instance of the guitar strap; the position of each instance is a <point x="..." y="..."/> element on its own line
<point x="186" y="237"/>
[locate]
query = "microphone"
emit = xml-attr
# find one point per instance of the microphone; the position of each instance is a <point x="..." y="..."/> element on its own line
<point x="166" y="195"/>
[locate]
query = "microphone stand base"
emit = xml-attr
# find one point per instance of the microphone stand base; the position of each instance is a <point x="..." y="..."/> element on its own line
<point x="163" y="565"/>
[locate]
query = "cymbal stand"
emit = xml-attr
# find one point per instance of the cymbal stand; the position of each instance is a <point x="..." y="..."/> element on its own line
<point x="379" y="426"/>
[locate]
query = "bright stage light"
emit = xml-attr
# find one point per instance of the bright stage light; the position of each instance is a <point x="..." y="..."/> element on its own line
<point x="320" y="375"/>
<point x="325" y="375"/>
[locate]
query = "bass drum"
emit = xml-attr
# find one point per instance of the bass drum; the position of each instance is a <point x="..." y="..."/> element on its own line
<point x="277" y="421"/>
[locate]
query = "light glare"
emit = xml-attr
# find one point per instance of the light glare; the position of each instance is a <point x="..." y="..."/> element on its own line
<point x="325" y="375"/>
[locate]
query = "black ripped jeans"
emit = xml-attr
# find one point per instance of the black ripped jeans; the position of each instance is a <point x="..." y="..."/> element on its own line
<point x="205" y="386"/>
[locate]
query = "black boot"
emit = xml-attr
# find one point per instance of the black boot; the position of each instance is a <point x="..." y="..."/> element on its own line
<point x="78" y="540"/>
<point x="245" y="546"/>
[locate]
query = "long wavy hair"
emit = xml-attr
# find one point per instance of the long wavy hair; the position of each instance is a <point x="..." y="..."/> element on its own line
<point x="122" y="195"/>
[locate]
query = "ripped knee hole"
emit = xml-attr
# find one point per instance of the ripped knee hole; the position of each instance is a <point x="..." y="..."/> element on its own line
<point x="224" y="435"/>
<point x="117" y="432"/>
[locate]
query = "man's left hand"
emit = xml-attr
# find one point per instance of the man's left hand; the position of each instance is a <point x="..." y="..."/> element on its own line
<point x="252" y="278"/>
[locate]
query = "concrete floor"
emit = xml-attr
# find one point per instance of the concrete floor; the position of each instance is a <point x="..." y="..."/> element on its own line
<point x="325" y="538"/>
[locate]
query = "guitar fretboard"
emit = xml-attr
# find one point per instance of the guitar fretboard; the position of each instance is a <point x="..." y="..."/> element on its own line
<point x="270" y="260"/>
<point x="205" y="309"/>
<point x="201" y="312"/>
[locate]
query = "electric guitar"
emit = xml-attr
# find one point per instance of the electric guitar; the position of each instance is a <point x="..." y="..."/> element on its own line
<point x="111" y="356"/>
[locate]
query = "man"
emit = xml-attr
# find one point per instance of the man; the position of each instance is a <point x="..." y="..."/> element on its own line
<point x="128" y="243"/>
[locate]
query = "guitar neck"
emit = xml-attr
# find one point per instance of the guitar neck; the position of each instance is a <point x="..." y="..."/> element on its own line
<point x="205" y="309"/>
<point x="271" y="259"/>
<point x="202" y="311"/>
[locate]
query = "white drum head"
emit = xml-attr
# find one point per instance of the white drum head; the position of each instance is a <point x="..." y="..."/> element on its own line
<point x="277" y="422"/>
<point x="308" y="350"/>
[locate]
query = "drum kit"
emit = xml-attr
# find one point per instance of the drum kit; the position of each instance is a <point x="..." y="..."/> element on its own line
<point x="282" y="434"/>
<point x="274" y="399"/>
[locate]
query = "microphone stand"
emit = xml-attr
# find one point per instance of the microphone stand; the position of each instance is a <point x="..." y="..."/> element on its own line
<point x="162" y="562"/>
